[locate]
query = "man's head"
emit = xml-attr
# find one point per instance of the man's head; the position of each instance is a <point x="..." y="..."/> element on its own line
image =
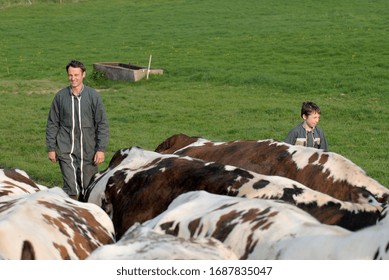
<point x="76" y="64"/>
<point x="76" y="73"/>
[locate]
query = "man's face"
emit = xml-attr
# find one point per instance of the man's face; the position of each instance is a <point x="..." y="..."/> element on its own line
<point x="75" y="76"/>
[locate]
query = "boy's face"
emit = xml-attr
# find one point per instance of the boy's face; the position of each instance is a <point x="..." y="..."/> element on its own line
<point x="311" y="120"/>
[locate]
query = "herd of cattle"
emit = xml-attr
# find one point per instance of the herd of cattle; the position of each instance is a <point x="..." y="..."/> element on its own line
<point x="194" y="198"/>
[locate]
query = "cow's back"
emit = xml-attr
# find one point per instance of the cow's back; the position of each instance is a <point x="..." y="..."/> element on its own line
<point x="48" y="225"/>
<point x="327" y="172"/>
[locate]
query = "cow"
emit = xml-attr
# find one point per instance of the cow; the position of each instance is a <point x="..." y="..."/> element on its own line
<point x="327" y="172"/>
<point x="268" y="229"/>
<point x="143" y="243"/>
<point x="140" y="184"/>
<point x="48" y="225"/>
<point x="16" y="181"/>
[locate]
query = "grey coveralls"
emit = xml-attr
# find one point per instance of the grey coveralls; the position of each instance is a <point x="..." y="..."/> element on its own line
<point x="77" y="127"/>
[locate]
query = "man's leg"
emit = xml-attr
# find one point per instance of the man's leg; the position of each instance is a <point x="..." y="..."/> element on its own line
<point x="69" y="175"/>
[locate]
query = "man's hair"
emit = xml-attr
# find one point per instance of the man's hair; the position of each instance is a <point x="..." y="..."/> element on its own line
<point x="309" y="108"/>
<point x="76" y="64"/>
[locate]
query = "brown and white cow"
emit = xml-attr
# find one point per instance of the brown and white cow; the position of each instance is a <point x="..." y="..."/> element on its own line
<point x="139" y="184"/>
<point x="143" y="243"/>
<point x="326" y="172"/>
<point x="268" y="229"/>
<point x="16" y="181"/>
<point x="48" y="225"/>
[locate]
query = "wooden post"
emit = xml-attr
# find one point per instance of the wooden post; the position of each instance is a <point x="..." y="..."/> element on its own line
<point x="148" y="68"/>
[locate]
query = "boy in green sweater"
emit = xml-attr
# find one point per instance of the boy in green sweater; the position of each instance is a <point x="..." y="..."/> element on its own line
<point x="307" y="133"/>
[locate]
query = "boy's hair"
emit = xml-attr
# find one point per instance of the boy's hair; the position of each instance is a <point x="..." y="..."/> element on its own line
<point x="76" y="64"/>
<point x="309" y="108"/>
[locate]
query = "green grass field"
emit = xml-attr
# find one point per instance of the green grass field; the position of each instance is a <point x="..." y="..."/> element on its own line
<point x="233" y="70"/>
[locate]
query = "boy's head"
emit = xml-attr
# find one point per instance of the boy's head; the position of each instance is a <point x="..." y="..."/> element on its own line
<point x="309" y="108"/>
<point x="310" y="112"/>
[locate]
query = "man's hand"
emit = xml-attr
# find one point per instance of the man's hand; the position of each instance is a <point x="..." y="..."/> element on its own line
<point x="53" y="156"/>
<point x="99" y="157"/>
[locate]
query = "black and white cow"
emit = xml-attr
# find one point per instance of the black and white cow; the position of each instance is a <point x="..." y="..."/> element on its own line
<point x="326" y="172"/>
<point x="139" y="184"/>
<point x="143" y="243"/>
<point x="268" y="229"/>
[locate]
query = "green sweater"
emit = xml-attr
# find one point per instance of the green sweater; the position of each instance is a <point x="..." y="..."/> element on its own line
<point x="299" y="136"/>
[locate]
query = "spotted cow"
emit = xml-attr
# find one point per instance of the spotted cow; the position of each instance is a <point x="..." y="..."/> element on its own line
<point x="139" y="184"/>
<point x="48" y="225"/>
<point x="326" y="172"/>
<point x="268" y="229"/>
<point x="16" y="181"/>
<point x="143" y="243"/>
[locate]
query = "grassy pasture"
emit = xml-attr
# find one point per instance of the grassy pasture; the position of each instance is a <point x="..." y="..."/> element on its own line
<point x="233" y="70"/>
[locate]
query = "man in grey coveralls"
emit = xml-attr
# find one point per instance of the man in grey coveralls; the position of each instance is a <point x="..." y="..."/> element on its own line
<point x="77" y="131"/>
